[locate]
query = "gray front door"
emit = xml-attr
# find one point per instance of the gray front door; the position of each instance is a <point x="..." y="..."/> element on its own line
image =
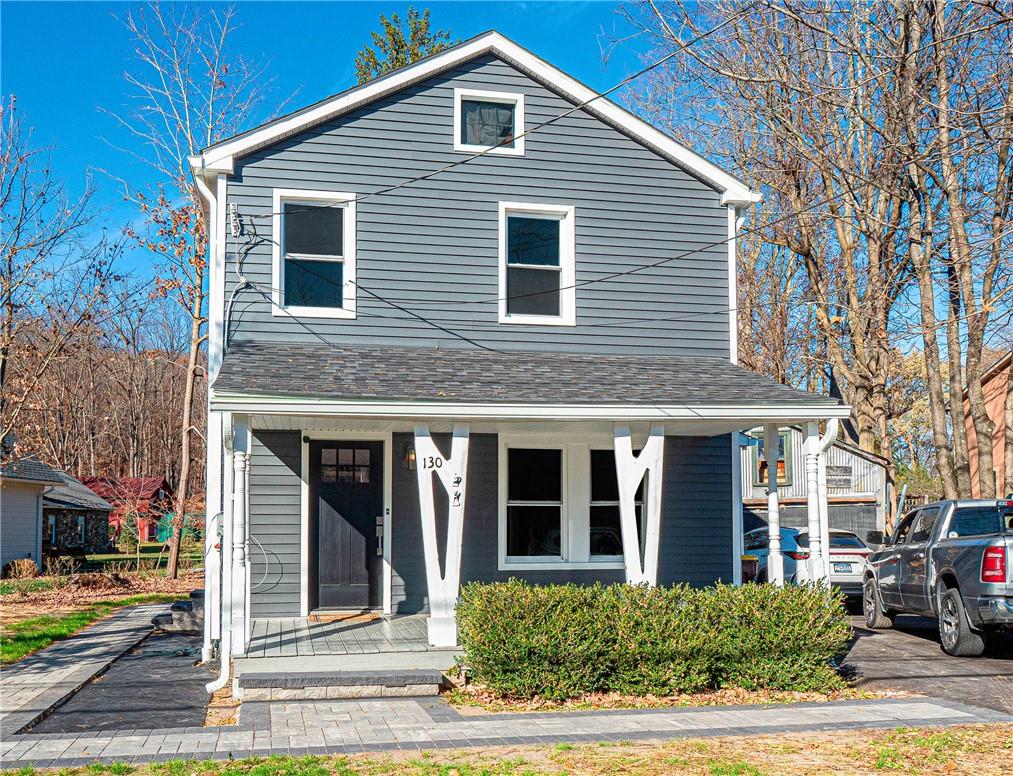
<point x="346" y="496"/>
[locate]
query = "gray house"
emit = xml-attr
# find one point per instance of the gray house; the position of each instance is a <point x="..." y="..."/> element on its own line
<point x="469" y="321"/>
<point x="23" y="481"/>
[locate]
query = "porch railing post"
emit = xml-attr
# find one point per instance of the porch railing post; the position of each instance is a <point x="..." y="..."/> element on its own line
<point x="239" y="458"/>
<point x="812" y="484"/>
<point x="775" y="561"/>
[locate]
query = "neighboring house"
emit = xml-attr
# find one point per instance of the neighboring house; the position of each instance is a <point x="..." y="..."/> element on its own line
<point x="857" y="491"/>
<point x="448" y="382"/>
<point x="22" y="485"/>
<point x="142" y="499"/>
<point x="994" y="385"/>
<point x="74" y="518"/>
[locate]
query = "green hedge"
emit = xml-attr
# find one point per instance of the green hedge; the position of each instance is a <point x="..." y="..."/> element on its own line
<point x="562" y="641"/>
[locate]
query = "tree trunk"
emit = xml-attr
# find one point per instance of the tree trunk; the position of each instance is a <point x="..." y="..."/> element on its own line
<point x="182" y="490"/>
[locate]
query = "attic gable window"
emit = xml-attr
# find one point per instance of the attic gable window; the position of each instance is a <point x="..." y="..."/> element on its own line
<point x="314" y="254"/>
<point x="488" y="121"/>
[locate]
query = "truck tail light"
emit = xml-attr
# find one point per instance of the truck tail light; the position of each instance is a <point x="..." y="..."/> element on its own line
<point x="797" y="555"/>
<point x="993" y="565"/>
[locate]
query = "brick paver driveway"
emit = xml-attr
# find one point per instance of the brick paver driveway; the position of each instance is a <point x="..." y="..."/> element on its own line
<point x="908" y="657"/>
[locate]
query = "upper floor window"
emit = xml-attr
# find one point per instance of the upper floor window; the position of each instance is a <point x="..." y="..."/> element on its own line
<point x="488" y="121"/>
<point x="537" y="264"/>
<point x="314" y="253"/>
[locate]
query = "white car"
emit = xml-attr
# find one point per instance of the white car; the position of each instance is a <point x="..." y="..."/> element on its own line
<point x="847" y="556"/>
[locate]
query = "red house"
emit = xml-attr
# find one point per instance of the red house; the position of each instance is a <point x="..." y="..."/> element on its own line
<point x="145" y="498"/>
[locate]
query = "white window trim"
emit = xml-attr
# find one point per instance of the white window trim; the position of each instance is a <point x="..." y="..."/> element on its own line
<point x="574" y="515"/>
<point x="279" y="309"/>
<point x="509" y="98"/>
<point x="567" y="263"/>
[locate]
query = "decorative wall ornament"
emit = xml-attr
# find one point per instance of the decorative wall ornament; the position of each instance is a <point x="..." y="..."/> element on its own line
<point x="452" y="474"/>
<point x="630" y="470"/>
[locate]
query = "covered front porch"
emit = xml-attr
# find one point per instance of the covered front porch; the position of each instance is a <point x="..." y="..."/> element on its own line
<point x="383" y="506"/>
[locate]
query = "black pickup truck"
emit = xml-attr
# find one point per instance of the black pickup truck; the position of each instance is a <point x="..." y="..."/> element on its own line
<point x="952" y="560"/>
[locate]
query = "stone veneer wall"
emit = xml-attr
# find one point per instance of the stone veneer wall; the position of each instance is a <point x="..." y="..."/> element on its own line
<point x="68" y="534"/>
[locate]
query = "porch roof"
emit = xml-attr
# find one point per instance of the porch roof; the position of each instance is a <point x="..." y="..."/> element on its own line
<point x="457" y="375"/>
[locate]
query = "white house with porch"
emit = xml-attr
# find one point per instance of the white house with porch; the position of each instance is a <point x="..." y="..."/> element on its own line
<point x="469" y="321"/>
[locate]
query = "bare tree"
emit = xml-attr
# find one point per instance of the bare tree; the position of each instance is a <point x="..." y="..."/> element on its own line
<point x="190" y="92"/>
<point x="53" y="281"/>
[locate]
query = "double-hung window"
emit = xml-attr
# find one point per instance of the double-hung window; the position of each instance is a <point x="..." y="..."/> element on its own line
<point x="489" y="122"/>
<point x="314" y="253"/>
<point x="606" y="536"/>
<point x="559" y="506"/>
<point x="537" y="264"/>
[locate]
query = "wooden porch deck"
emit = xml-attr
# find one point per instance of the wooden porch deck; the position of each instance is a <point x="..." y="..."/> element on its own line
<point x="297" y="637"/>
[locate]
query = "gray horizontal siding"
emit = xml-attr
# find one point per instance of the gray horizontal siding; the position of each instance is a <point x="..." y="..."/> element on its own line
<point x="433" y="245"/>
<point x="696" y="531"/>
<point x="275" y="463"/>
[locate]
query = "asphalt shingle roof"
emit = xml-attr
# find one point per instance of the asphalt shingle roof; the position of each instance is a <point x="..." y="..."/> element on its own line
<point x="73" y="494"/>
<point x="463" y="375"/>
<point x="28" y="468"/>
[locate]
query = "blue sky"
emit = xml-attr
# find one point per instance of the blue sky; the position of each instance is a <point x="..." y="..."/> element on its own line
<point x="65" y="62"/>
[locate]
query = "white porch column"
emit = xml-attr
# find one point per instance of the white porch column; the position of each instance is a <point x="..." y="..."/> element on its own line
<point x="239" y="591"/>
<point x="826" y="442"/>
<point x="212" y="522"/>
<point x="452" y="474"/>
<point x="630" y="470"/>
<point x="812" y="483"/>
<point x="775" y="561"/>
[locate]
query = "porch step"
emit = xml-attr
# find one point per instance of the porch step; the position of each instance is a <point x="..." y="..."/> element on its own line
<point x="183" y="616"/>
<point x="331" y="685"/>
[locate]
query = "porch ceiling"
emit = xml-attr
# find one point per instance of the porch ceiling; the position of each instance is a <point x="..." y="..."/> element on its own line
<point x="372" y="381"/>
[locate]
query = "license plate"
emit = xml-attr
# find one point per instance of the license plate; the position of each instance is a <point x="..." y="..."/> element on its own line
<point x="842" y="568"/>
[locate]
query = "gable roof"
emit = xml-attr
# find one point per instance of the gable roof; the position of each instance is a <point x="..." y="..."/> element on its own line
<point x="73" y="494"/>
<point x="127" y="488"/>
<point x="220" y="157"/>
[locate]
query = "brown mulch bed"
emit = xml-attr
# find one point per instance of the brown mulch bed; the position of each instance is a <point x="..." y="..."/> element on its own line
<point x="476" y="699"/>
<point x="80" y="591"/>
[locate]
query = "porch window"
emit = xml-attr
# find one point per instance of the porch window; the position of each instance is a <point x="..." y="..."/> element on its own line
<point x="488" y="122"/>
<point x="314" y="264"/>
<point x="760" y="460"/>
<point x="534" y="503"/>
<point x="606" y="536"/>
<point x="537" y="264"/>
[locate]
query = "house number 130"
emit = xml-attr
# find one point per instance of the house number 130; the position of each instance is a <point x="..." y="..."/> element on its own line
<point x="432" y="462"/>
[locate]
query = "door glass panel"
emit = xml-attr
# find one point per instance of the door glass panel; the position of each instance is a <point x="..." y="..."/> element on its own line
<point x="329" y="456"/>
<point x="923" y="525"/>
<point x="362" y="457"/>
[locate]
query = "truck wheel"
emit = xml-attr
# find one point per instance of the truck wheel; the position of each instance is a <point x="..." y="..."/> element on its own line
<point x="955" y="633"/>
<point x="872" y="607"/>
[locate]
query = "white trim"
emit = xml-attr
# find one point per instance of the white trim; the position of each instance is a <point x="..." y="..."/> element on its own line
<point x="574" y="513"/>
<point x="314" y="435"/>
<point x="733" y="293"/>
<point x="347" y="199"/>
<point x="221" y="157"/>
<point x="216" y="280"/>
<point x="507" y="98"/>
<point x="364" y="408"/>
<point x="567" y="262"/>
<point x="631" y="470"/>
<point x="737" y="524"/>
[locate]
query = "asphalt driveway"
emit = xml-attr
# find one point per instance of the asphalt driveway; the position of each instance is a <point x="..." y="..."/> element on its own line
<point x="908" y="657"/>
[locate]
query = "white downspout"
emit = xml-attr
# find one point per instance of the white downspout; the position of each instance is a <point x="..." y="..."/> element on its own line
<point x="826" y="442"/>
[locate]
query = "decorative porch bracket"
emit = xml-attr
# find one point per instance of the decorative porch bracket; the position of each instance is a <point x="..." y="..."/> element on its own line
<point x="630" y="471"/>
<point x="452" y="474"/>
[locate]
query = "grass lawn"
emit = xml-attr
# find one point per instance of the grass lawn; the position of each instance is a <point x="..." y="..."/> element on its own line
<point x="980" y="749"/>
<point x="11" y="586"/>
<point x="22" y="638"/>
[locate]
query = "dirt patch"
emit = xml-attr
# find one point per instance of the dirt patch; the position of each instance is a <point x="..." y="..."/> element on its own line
<point x="81" y="591"/>
<point x="475" y="699"/>
<point x="223" y="709"/>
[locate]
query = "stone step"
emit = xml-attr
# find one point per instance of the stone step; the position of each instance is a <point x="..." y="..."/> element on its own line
<point x="182" y="617"/>
<point x="332" y="685"/>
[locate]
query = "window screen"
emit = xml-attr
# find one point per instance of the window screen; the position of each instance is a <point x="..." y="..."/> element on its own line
<point x="606" y="531"/>
<point x="534" y="502"/>
<point x="533" y="266"/>
<point x="487" y="123"/>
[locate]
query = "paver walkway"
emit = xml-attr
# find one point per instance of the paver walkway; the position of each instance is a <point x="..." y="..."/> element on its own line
<point x="339" y="727"/>
<point x="32" y="686"/>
